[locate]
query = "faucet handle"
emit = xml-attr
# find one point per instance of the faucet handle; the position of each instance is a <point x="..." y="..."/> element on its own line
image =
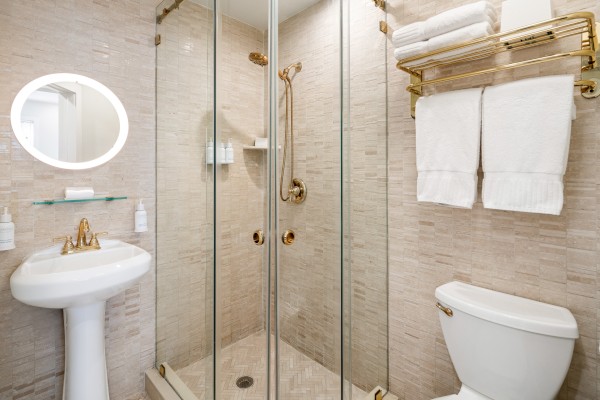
<point x="94" y="240"/>
<point x="69" y="247"/>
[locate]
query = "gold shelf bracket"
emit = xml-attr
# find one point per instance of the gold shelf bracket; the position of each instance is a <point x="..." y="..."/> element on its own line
<point x="380" y="4"/>
<point x="383" y="27"/>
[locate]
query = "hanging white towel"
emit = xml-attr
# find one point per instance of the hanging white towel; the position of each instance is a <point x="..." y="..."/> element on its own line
<point x="461" y="35"/>
<point x="444" y="22"/>
<point x="448" y="135"/>
<point x="525" y="143"/>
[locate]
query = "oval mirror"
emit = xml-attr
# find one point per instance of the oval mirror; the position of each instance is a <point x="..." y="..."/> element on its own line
<point x="69" y="121"/>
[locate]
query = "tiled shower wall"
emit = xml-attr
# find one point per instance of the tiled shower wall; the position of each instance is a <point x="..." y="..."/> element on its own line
<point x="185" y="185"/>
<point x="112" y="42"/>
<point x="310" y="269"/>
<point x="553" y="259"/>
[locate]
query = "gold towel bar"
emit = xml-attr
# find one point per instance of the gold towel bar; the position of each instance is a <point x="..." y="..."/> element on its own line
<point x="581" y="24"/>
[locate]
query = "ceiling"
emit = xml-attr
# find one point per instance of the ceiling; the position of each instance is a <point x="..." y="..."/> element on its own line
<point x="256" y="12"/>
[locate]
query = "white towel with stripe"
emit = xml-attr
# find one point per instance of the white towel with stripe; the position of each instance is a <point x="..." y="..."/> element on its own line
<point x="448" y="137"/>
<point x="525" y="143"/>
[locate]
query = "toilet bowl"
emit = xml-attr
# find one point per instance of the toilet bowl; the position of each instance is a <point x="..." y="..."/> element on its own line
<point x="505" y="347"/>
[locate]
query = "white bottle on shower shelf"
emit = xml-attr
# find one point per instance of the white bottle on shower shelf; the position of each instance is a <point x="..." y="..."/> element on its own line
<point x="210" y="149"/>
<point x="229" y="152"/>
<point x="221" y="153"/>
<point x="7" y="231"/>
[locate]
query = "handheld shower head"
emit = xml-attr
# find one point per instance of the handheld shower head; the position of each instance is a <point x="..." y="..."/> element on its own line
<point x="284" y="74"/>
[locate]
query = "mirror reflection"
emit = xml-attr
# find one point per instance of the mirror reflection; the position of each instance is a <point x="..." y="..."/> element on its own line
<point x="69" y="121"/>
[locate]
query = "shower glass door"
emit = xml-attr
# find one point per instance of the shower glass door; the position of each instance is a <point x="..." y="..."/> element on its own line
<point x="308" y="201"/>
<point x="272" y="199"/>
<point x="185" y="197"/>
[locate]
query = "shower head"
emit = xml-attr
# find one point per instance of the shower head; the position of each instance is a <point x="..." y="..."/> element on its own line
<point x="258" y="59"/>
<point x="284" y="74"/>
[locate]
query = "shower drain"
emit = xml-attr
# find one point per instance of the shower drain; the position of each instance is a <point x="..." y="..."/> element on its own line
<point x="244" y="382"/>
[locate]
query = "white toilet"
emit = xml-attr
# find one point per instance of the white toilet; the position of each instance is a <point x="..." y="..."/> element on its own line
<point x="505" y="347"/>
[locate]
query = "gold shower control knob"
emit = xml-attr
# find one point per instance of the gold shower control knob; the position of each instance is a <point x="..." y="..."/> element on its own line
<point x="288" y="237"/>
<point x="258" y="237"/>
<point x="298" y="191"/>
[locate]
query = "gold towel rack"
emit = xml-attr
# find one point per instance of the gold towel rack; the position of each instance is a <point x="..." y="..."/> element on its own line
<point x="581" y="24"/>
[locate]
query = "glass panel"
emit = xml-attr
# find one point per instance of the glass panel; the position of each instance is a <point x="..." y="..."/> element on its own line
<point x="365" y="111"/>
<point x="309" y="300"/>
<point x="184" y="275"/>
<point x="242" y="291"/>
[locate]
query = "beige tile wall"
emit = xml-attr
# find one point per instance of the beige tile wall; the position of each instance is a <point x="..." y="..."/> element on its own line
<point x="553" y="259"/>
<point x="111" y="42"/>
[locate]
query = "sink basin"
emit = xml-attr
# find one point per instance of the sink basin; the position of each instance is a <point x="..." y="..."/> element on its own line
<point x="51" y="280"/>
<point x="80" y="284"/>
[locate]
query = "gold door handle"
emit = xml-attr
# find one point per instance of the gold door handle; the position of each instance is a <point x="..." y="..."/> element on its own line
<point x="445" y="310"/>
<point x="288" y="237"/>
<point x="258" y="237"/>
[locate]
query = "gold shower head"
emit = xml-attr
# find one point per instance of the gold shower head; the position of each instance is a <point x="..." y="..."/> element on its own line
<point x="258" y="59"/>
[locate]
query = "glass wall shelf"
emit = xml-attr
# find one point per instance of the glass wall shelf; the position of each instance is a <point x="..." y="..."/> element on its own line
<point x="58" y="201"/>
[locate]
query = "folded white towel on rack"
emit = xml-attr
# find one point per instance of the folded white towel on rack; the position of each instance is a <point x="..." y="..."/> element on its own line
<point x="448" y="135"/>
<point x="525" y="143"/>
<point x="464" y="34"/>
<point x="445" y="22"/>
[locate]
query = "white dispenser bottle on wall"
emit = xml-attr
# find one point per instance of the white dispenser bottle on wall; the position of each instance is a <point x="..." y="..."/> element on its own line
<point x="7" y="231"/>
<point x="141" y="218"/>
<point x="221" y="153"/>
<point x="210" y="155"/>
<point x="229" y="152"/>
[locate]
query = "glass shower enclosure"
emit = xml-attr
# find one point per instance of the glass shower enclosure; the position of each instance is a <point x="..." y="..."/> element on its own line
<point x="271" y="277"/>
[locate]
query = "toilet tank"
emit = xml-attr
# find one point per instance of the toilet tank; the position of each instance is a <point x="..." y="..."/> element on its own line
<point x="506" y="347"/>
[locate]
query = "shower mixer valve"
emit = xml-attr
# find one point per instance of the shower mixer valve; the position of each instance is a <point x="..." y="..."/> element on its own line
<point x="297" y="191"/>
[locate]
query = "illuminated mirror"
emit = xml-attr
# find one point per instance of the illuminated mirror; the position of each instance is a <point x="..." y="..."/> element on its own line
<point x="69" y="121"/>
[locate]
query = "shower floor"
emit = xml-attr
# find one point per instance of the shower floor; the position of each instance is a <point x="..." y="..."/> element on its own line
<point x="301" y="378"/>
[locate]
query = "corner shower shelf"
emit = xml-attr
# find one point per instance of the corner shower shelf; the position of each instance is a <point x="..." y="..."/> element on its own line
<point x="59" y="201"/>
<point x="547" y="32"/>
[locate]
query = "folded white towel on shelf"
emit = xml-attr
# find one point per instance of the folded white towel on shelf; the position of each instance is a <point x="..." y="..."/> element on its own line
<point x="464" y="34"/>
<point x="525" y="143"/>
<point x="448" y="136"/>
<point x="445" y="22"/>
<point x="76" y="193"/>
<point x="410" y="50"/>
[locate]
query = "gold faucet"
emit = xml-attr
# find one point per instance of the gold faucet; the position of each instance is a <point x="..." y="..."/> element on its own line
<point x="82" y="243"/>
<point x="84" y="227"/>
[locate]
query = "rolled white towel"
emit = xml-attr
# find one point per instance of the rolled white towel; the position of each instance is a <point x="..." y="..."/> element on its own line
<point x="77" y="193"/>
<point x="461" y="35"/>
<point x="445" y="22"/>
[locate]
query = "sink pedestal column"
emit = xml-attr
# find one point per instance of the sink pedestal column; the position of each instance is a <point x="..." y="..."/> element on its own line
<point x="85" y="359"/>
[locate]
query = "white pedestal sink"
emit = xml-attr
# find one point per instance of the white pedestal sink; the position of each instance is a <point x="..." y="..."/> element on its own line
<point x="80" y="284"/>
